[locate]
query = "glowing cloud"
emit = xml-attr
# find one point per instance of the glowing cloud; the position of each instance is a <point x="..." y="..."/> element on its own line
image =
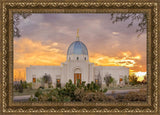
<point x="28" y="52"/>
<point x="126" y="60"/>
<point x="115" y="33"/>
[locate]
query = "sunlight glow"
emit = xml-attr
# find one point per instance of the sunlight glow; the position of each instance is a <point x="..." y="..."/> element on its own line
<point x="140" y="75"/>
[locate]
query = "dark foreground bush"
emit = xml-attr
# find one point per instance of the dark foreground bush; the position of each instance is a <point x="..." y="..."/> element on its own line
<point x="137" y="96"/>
<point x="133" y="96"/>
<point x="75" y="93"/>
<point x="96" y="97"/>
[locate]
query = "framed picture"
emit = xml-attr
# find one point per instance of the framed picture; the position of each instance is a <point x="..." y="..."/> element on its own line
<point x="79" y="57"/>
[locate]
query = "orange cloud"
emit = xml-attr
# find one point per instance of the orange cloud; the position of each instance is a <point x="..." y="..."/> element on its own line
<point x="124" y="60"/>
<point x="28" y="52"/>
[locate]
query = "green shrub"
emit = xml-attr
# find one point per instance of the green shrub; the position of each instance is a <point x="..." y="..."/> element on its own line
<point x="29" y="85"/>
<point x="43" y="97"/>
<point x="38" y="93"/>
<point x="104" y="90"/>
<point x="79" y="93"/>
<point x="72" y="92"/>
<point x="67" y="99"/>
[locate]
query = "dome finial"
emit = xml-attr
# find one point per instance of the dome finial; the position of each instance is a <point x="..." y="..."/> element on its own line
<point x="77" y="34"/>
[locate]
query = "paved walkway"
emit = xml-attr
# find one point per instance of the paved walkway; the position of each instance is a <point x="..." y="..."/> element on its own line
<point x="121" y="91"/>
<point x="21" y="98"/>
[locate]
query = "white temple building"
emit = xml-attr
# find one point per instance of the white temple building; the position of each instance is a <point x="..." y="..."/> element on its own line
<point x="77" y="66"/>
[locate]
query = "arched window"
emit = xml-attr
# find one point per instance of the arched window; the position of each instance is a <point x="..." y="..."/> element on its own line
<point x="77" y="58"/>
<point x="85" y="58"/>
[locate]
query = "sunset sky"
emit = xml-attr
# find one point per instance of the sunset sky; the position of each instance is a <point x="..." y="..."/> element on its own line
<point x="45" y="39"/>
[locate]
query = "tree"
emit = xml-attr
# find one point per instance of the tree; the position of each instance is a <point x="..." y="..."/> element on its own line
<point x="24" y="84"/>
<point x="115" y="17"/>
<point x="133" y="79"/>
<point x="20" y="87"/>
<point x="16" y="21"/>
<point x="47" y="79"/>
<point x="121" y="17"/>
<point x="145" y="79"/>
<point x="108" y="79"/>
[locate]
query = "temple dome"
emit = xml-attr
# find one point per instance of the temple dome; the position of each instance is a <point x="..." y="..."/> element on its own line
<point x="77" y="48"/>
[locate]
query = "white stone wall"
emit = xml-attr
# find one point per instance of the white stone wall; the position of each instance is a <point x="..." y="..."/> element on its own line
<point x="39" y="72"/>
<point x="116" y="72"/>
<point x="70" y="66"/>
<point x="66" y="71"/>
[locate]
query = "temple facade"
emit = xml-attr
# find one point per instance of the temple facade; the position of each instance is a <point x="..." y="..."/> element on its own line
<point x="77" y="66"/>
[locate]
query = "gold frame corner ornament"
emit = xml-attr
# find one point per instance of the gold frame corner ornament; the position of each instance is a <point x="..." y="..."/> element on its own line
<point x="74" y="6"/>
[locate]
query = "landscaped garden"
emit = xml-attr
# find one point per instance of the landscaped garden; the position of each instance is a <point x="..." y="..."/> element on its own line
<point x="82" y="92"/>
<point x="79" y="92"/>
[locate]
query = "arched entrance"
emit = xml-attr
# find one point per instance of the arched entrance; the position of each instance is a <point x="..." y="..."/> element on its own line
<point x="77" y="75"/>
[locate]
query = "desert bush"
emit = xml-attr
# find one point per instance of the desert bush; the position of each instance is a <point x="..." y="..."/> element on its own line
<point x="53" y="98"/>
<point x="38" y="93"/>
<point x="66" y="99"/>
<point x="79" y="93"/>
<point x="141" y="95"/>
<point x="120" y="97"/>
<point x="96" y="97"/>
<point x="110" y="99"/>
<point x="29" y="85"/>
<point x="88" y="97"/>
<point x="104" y="90"/>
<point x="73" y="92"/>
<point x="92" y="87"/>
<point x="69" y="89"/>
<point x="43" y="97"/>
<point x="137" y="96"/>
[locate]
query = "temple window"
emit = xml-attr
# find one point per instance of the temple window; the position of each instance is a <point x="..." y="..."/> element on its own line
<point x="58" y="82"/>
<point x="96" y="81"/>
<point x="34" y="80"/>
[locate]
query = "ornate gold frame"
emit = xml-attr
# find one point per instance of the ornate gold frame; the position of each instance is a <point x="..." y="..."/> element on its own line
<point x="8" y="7"/>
